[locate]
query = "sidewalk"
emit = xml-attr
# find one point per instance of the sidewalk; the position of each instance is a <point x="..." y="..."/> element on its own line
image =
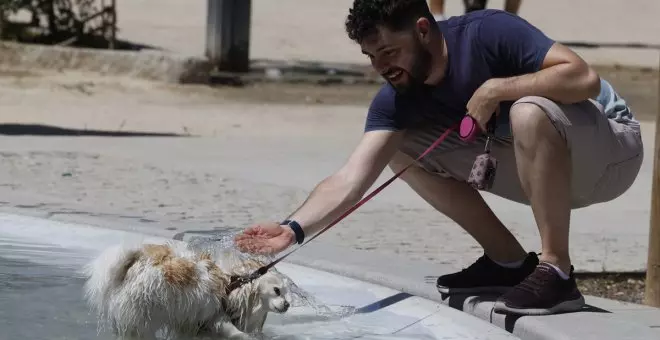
<point x="314" y="29"/>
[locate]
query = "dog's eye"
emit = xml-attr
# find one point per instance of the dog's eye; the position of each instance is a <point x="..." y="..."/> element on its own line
<point x="277" y="291"/>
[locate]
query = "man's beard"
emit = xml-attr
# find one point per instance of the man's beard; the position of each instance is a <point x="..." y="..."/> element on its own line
<point x="419" y="71"/>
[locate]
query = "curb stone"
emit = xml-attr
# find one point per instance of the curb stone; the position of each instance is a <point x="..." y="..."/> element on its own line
<point x="149" y="65"/>
<point x="170" y="67"/>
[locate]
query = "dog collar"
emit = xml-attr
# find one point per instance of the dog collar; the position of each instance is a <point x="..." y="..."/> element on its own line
<point x="237" y="281"/>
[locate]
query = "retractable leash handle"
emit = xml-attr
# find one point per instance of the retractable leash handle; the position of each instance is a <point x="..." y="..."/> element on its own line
<point x="469" y="129"/>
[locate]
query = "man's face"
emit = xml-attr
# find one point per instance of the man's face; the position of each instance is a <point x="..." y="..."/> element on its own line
<point x="400" y="57"/>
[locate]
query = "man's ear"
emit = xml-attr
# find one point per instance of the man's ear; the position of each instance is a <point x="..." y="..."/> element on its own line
<point x="423" y="29"/>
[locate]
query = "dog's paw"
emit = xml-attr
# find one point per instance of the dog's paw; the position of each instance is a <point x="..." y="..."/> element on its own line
<point x="228" y="331"/>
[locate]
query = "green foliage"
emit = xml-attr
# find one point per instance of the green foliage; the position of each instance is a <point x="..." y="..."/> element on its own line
<point x="52" y="21"/>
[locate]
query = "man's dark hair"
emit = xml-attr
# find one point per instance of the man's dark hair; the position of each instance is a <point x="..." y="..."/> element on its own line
<point x="396" y="15"/>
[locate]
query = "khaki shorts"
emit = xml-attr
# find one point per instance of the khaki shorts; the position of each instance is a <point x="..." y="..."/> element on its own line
<point x="606" y="156"/>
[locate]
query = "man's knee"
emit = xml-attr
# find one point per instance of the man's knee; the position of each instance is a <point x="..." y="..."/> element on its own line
<point x="531" y="124"/>
<point x="527" y="118"/>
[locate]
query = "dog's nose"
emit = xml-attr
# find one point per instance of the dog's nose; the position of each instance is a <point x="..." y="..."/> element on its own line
<point x="286" y="305"/>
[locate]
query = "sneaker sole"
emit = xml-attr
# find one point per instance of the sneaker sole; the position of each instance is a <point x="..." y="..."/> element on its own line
<point x="563" y="307"/>
<point x="475" y="290"/>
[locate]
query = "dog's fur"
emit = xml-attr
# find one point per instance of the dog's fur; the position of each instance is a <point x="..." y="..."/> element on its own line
<point x="140" y="289"/>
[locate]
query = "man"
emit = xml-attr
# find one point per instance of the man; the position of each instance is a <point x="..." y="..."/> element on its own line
<point x="558" y="149"/>
<point x="438" y="7"/>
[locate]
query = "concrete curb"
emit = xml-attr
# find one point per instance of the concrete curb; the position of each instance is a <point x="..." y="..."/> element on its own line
<point x="144" y="64"/>
<point x="166" y="66"/>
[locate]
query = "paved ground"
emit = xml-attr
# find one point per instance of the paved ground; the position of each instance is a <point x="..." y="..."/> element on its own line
<point x="242" y="169"/>
<point x="297" y="29"/>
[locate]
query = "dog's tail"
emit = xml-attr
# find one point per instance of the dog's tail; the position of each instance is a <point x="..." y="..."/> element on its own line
<point x="108" y="271"/>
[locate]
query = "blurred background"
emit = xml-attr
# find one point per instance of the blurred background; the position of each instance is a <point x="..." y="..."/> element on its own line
<point x="313" y="29"/>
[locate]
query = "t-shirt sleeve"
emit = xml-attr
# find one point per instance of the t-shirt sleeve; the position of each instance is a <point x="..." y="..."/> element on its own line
<point x="511" y="42"/>
<point x="383" y="113"/>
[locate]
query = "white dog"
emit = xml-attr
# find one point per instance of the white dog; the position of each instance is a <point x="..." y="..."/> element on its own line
<point x="141" y="289"/>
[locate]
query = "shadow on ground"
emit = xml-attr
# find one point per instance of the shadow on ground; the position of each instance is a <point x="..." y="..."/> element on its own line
<point x="47" y="130"/>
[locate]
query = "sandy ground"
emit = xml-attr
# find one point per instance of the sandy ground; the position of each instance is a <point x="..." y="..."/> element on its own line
<point x="255" y="155"/>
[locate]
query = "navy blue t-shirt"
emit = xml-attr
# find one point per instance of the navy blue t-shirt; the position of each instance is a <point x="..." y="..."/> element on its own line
<point x="480" y="45"/>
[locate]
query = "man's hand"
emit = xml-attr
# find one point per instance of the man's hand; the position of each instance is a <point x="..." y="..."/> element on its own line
<point x="265" y="239"/>
<point x="484" y="103"/>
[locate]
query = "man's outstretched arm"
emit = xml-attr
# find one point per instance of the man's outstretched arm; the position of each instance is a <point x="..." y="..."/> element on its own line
<point x="338" y="192"/>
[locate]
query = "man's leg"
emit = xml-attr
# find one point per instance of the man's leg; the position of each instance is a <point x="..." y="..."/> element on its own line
<point x="567" y="156"/>
<point x="465" y="206"/>
<point x="544" y="168"/>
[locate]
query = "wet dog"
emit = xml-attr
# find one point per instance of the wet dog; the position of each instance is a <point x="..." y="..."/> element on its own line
<point x="138" y="290"/>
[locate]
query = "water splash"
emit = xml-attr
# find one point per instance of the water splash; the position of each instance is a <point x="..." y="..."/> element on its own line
<point x="223" y="241"/>
<point x="302" y="298"/>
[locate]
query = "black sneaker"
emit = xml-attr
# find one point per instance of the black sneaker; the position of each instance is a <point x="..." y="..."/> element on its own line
<point x="542" y="293"/>
<point x="486" y="276"/>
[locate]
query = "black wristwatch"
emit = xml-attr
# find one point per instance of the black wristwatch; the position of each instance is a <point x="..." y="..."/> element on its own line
<point x="297" y="230"/>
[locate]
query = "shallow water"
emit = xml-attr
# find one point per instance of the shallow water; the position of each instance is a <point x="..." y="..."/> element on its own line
<point x="41" y="298"/>
<point x="42" y="301"/>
